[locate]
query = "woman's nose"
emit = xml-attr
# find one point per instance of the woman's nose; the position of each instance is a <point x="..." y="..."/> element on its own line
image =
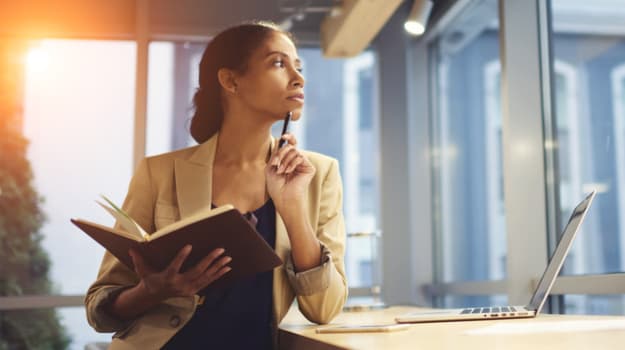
<point x="298" y="79"/>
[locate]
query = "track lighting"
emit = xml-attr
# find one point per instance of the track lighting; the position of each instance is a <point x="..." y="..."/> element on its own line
<point x="417" y="20"/>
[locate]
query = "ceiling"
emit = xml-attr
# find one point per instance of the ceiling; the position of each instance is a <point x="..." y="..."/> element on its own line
<point x="305" y="16"/>
<point x="183" y="18"/>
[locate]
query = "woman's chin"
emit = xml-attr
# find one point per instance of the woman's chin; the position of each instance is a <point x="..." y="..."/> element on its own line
<point x="297" y="113"/>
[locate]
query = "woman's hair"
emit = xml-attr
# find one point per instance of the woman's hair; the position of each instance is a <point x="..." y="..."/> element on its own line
<point x="232" y="49"/>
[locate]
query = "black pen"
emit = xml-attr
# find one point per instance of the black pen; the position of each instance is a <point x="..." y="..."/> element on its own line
<point x="284" y="129"/>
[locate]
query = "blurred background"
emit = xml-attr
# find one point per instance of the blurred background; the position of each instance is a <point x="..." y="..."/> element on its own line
<point x="466" y="131"/>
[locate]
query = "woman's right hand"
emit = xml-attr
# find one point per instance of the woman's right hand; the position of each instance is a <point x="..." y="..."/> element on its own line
<point x="171" y="282"/>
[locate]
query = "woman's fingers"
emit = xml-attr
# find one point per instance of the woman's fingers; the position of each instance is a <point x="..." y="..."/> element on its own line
<point x="171" y="282"/>
<point x="174" y="266"/>
<point x="294" y="164"/>
<point x="217" y="265"/>
<point x="200" y="267"/>
<point x="287" y="159"/>
<point x="279" y="153"/>
<point x="278" y="156"/>
<point x="219" y="273"/>
<point x="290" y="139"/>
<point x="141" y="268"/>
<point x="213" y="273"/>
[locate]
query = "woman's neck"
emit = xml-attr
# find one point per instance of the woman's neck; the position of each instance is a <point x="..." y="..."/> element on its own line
<point x="242" y="142"/>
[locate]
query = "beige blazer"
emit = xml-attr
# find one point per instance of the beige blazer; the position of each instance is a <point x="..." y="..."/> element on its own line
<point x="171" y="186"/>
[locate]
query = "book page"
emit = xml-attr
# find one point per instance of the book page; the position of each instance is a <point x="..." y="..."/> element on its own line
<point x="125" y="221"/>
<point x="199" y="215"/>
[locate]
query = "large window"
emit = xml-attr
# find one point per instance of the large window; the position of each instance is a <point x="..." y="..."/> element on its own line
<point x="79" y="119"/>
<point x="469" y="213"/>
<point x="589" y="52"/>
<point x="518" y="142"/>
<point x="339" y="120"/>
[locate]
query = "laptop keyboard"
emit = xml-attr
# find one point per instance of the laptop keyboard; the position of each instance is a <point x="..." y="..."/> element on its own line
<point x="488" y="310"/>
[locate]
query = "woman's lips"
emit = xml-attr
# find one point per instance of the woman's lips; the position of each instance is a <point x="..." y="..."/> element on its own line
<point x="298" y="97"/>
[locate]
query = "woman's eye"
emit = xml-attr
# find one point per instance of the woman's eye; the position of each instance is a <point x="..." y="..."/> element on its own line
<point x="282" y="64"/>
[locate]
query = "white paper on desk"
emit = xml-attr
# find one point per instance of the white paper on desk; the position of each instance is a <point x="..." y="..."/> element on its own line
<point x="549" y="327"/>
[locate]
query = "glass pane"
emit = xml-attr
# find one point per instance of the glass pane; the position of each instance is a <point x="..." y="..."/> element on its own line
<point x="589" y="92"/>
<point x="469" y="215"/>
<point x="79" y="118"/>
<point x="339" y="119"/>
<point x="172" y="80"/>
<point x="594" y="304"/>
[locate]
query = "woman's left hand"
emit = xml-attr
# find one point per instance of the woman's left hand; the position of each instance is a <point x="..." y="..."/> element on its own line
<point x="288" y="174"/>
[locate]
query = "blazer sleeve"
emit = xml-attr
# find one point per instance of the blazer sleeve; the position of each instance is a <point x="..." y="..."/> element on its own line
<point x="322" y="291"/>
<point x="114" y="276"/>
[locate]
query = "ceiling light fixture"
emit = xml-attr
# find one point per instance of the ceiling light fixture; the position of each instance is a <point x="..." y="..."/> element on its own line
<point x="417" y="20"/>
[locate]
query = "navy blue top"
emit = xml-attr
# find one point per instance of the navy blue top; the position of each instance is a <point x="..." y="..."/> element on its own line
<point x="239" y="317"/>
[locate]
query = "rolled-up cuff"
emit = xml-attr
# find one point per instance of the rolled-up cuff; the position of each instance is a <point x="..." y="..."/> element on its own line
<point x="312" y="281"/>
<point x="98" y="310"/>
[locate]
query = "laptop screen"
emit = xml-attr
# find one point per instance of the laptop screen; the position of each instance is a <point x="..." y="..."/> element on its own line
<point x="555" y="263"/>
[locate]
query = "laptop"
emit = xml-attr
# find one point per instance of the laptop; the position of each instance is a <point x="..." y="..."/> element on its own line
<point x="540" y="294"/>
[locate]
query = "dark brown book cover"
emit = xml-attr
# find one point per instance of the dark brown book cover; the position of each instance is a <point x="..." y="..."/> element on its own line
<point x="229" y="230"/>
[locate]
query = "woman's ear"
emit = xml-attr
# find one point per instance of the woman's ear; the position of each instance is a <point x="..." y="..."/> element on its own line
<point x="227" y="80"/>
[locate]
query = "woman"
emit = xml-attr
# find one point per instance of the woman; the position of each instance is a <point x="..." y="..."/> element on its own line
<point x="250" y="77"/>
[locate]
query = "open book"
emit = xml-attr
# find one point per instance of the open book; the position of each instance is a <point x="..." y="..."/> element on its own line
<point x="222" y="227"/>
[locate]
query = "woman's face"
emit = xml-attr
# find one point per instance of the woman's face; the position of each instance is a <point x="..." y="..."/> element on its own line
<point x="273" y="83"/>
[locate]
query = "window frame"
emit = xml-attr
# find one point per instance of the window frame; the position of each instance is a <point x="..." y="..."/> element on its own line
<point x="618" y="95"/>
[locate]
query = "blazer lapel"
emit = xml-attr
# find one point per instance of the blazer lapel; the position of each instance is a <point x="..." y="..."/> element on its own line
<point x="194" y="178"/>
<point x="282" y="296"/>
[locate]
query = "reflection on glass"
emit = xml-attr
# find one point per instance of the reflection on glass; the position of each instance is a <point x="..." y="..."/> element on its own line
<point x="469" y="215"/>
<point x="589" y="92"/>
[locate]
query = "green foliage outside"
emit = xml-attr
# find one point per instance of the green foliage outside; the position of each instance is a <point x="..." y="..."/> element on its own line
<point x="24" y="265"/>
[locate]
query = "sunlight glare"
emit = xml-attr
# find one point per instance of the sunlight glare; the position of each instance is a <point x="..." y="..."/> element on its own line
<point x="37" y="59"/>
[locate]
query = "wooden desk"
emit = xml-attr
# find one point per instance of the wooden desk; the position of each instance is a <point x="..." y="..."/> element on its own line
<point x="545" y="332"/>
